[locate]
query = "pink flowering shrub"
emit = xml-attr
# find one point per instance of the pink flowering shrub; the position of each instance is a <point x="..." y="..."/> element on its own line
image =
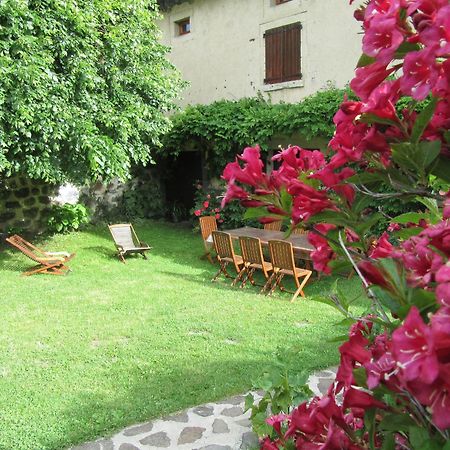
<point x="392" y="389"/>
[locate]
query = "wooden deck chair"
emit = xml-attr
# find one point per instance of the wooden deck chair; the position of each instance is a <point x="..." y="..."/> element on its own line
<point x="274" y="226"/>
<point x="126" y="240"/>
<point x="208" y="224"/>
<point x="225" y="255"/>
<point x="252" y="255"/>
<point x="283" y="263"/>
<point x="53" y="263"/>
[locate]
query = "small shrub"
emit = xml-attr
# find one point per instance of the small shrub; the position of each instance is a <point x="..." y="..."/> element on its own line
<point x="67" y="217"/>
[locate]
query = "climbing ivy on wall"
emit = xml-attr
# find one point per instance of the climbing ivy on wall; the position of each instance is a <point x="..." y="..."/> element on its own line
<point x="223" y="128"/>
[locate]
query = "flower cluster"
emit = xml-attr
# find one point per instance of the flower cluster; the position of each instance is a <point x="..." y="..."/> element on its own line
<point x="412" y="363"/>
<point x="395" y="365"/>
<point x="206" y="205"/>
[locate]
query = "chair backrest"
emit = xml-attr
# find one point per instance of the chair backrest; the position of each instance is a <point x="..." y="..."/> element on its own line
<point x="223" y="245"/>
<point x="124" y="235"/>
<point x="273" y="226"/>
<point x="208" y="224"/>
<point x="251" y="250"/>
<point x="25" y="247"/>
<point x="282" y="255"/>
<point x="299" y="230"/>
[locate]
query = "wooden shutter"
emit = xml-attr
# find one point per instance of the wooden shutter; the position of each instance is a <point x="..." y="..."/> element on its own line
<point x="283" y="59"/>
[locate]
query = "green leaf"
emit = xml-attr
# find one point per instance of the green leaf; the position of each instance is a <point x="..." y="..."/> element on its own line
<point x="365" y="60"/>
<point x="417" y="157"/>
<point x="360" y="376"/>
<point x="412" y="217"/>
<point x="249" y="401"/>
<point x="422" y="120"/>
<point x="404" y="48"/>
<point x="442" y="168"/>
<point x="406" y="233"/>
<point x="255" y="213"/>
<point x="421" y="440"/>
<point x="373" y="118"/>
<point x="396" y="422"/>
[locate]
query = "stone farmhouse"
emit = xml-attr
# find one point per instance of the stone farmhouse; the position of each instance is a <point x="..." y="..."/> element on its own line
<point x="285" y="49"/>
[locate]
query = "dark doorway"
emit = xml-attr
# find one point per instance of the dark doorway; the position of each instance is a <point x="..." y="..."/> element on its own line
<point x="179" y="178"/>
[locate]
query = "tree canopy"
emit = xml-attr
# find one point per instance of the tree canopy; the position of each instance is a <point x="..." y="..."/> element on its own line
<point x="84" y="88"/>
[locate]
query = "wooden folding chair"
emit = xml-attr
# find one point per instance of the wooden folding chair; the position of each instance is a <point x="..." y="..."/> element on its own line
<point x="302" y="256"/>
<point x="253" y="258"/>
<point x="208" y="224"/>
<point x="126" y="241"/>
<point x="225" y="255"/>
<point x="53" y="263"/>
<point x="274" y="226"/>
<point x="282" y="257"/>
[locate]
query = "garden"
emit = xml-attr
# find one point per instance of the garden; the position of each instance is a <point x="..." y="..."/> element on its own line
<point x="113" y="344"/>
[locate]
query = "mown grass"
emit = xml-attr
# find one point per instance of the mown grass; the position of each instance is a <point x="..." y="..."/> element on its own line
<point x="111" y="344"/>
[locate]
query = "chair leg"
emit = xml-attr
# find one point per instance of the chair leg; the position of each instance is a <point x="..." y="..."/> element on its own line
<point x="300" y="288"/>
<point x="223" y="269"/>
<point x="121" y="258"/>
<point x="277" y="282"/>
<point x="239" y="276"/>
<point x="250" y="277"/>
<point x="268" y="284"/>
<point x="144" y="255"/>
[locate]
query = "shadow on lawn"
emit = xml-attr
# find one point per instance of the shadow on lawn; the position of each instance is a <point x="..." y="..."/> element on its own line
<point x="93" y="416"/>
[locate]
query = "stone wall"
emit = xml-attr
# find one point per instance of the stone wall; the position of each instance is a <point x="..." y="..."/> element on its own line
<point x="24" y="204"/>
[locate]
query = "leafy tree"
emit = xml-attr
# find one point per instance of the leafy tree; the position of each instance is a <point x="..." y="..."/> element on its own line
<point x="85" y="85"/>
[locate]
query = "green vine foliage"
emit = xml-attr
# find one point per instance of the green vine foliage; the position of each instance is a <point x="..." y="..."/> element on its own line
<point x="223" y="128"/>
<point x="85" y="85"/>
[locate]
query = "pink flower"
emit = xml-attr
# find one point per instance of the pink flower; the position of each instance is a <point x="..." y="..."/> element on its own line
<point x="234" y="192"/>
<point x="217" y="216"/>
<point x="413" y="349"/>
<point x="323" y="253"/>
<point x="443" y="287"/>
<point x="267" y="444"/>
<point x="307" y="201"/>
<point x="251" y="173"/>
<point x="383" y="248"/>
<point x="373" y="274"/>
<point x="276" y="421"/>
<point x="367" y="78"/>
<point x="351" y="236"/>
<point x="335" y="181"/>
<point x="436" y="396"/>
<point x="382" y="100"/>
<point x="420" y="73"/>
<point x="205" y="204"/>
<point x="437" y="31"/>
<point x="393" y="227"/>
<point x="382" y="38"/>
<point x="355" y="398"/>
<point x="197" y="212"/>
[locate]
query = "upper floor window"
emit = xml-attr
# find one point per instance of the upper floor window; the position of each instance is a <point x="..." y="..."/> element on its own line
<point x="279" y="2"/>
<point x="283" y="53"/>
<point x="183" y="26"/>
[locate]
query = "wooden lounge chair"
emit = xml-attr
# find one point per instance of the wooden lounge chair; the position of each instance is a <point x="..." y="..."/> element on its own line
<point x="53" y="263"/>
<point x="225" y="255"/>
<point x="208" y="224"/>
<point x="274" y="226"/>
<point x="282" y="257"/>
<point x="252" y="255"/>
<point x="126" y="240"/>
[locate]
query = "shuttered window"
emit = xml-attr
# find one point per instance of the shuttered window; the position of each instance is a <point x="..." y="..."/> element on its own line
<point x="283" y="53"/>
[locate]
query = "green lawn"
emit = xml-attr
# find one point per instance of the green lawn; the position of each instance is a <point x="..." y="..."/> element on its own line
<point x="112" y="344"/>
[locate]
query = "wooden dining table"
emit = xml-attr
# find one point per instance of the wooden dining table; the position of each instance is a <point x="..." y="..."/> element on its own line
<point x="299" y="242"/>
